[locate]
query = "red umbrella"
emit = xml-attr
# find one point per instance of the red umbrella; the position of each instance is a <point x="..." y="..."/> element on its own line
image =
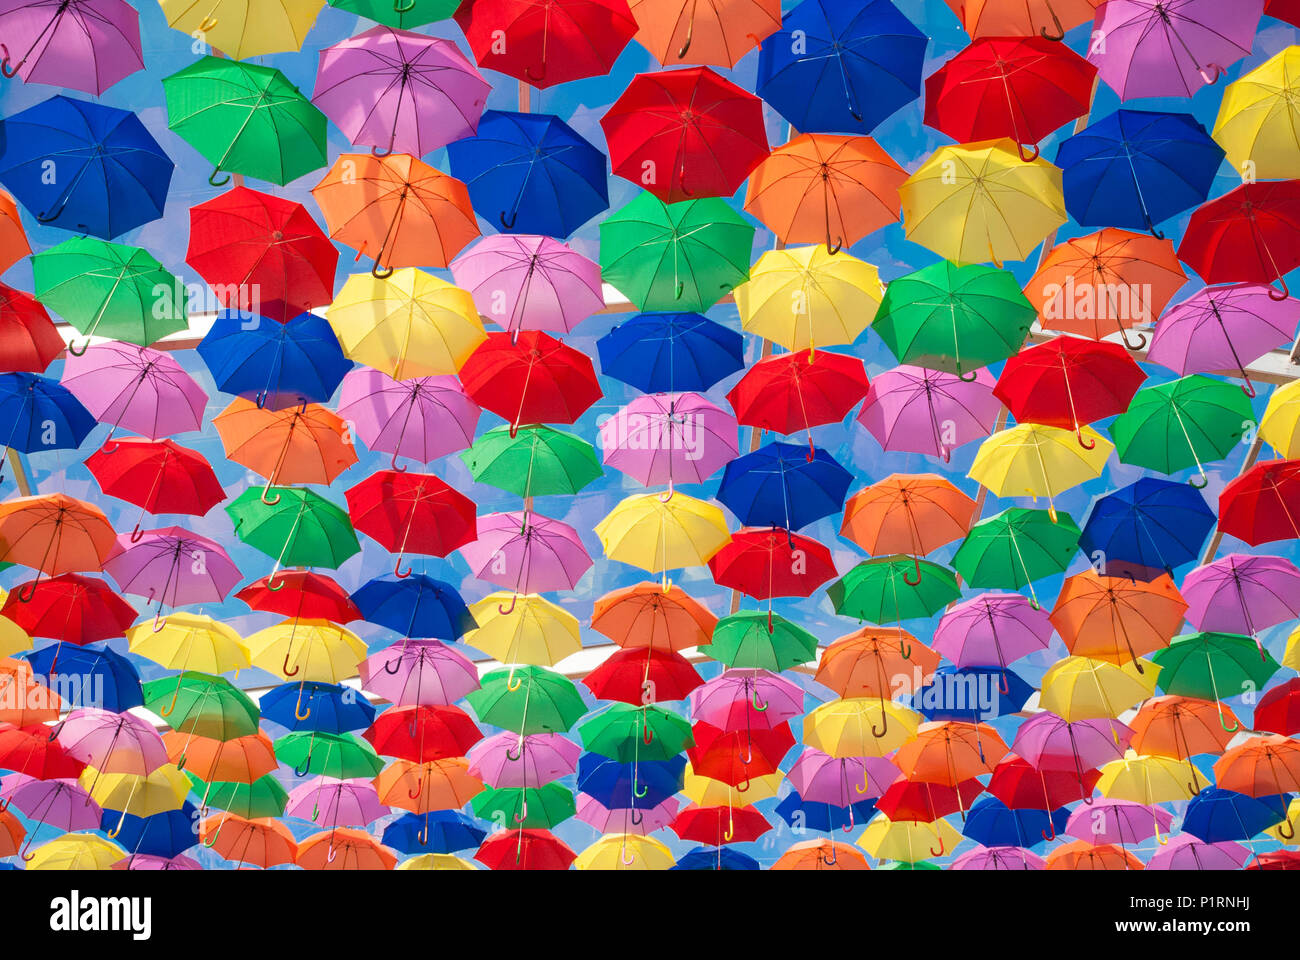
<point x="1278" y="711"/>
<point x="1263" y="504"/>
<point x="718" y="825"/>
<point x="262" y="254"/>
<point x="530" y="377"/>
<point x="29" y="341"/>
<point x="925" y="802"/>
<point x="412" y="512"/>
<point x="524" y="850"/>
<point x="1288" y="10"/>
<point x="71" y="608"/>
<point x="683" y="134"/>
<point x="629" y="675"/>
<point x="737" y="756"/>
<point x="1017" y="87"/>
<point x="1069" y="381"/>
<point x="1248" y="235"/>
<point x="158" y="476"/>
<point x="767" y="562"/>
<point x="798" y="391"/>
<point x="547" y="43"/>
<point x="32" y="751"/>
<point x="423" y="733"/>
<point x="1022" y="786"/>
<point x="1278" y="859"/>
<point x="301" y="595"/>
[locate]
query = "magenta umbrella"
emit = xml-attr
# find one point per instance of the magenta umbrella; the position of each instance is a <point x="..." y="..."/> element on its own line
<point x="171" y="566"/>
<point x="1242" y="594"/>
<point x="419" y="673"/>
<point x="149" y="861"/>
<point x="397" y="91"/>
<point x="503" y="760"/>
<point x="638" y="823"/>
<point x="914" y="410"/>
<point x="1185" y="852"/>
<point x="841" y="782"/>
<point x="424" y="418"/>
<point x="111" y="742"/>
<point x="526" y="282"/>
<point x="86" y="45"/>
<point x="62" y="803"/>
<point x="993" y="629"/>
<point x="1125" y="822"/>
<point x="1170" y="48"/>
<point x="333" y="803"/>
<point x="136" y="388"/>
<point x="669" y="438"/>
<point x="1224" y="328"/>
<point x="1048" y="742"/>
<point x="999" y="858"/>
<point x="526" y="553"/>
<point x="743" y="699"/>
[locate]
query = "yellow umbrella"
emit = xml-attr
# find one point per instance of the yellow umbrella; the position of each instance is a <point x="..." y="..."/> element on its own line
<point x="910" y="841"/>
<point x="411" y="324"/>
<point x="436" y="861"/>
<point x="859" y="727"/>
<point x="1145" y="779"/>
<point x="162" y="790"/>
<point x="243" y="28"/>
<point x="1285" y="832"/>
<point x="76" y="851"/>
<point x="1259" y="119"/>
<point x="1280" y="425"/>
<point x="707" y="792"/>
<point x="190" y="641"/>
<point x="975" y="202"/>
<point x="805" y="297"/>
<point x="1081" y="688"/>
<point x="1291" y="653"/>
<point x="13" y="638"/>
<point x="525" y="629"/>
<point x="306" y="650"/>
<point x="660" y="535"/>
<point x="1038" y="461"/>
<point x="625" y="852"/>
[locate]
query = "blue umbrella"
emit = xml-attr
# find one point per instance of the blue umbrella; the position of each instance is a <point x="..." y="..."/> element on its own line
<point x="971" y="694"/>
<point x="39" y="413"/>
<point x="329" y="707"/>
<point x="87" y="677"/>
<point x="670" y="352"/>
<point x="1216" y="815"/>
<point x="1153" y="524"/>
<point x="277" y="365"/>
<point x="531" y="173"/>
<point x="84" y="166"/>
<point x="716" y="858"/>
<point x="810" y="815"/>
<point x="992" y="823"/>
<point x="779" y="486"/>
<point x="1136" y="168"/>
<point x="439" y="831"/>
<point x="160" y="835"/>
<point x="630" y="786"/>
<point x="841" y="66"/>
<point x="417" y="607"/>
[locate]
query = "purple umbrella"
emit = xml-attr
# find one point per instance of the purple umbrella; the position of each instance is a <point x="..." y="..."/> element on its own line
<point x="1242" y="594"/>
<point x="820" y="778"/>
<point x="526" y="282"/>
<point x="669" y="438"/>
<point x="743" y="699"/>
<point x="111" y="742"/>
<point x="999" y="858"/>
<point x="171" y="566"/>
<point x="926" y="411"/>
<point x="86" y="45"/>
<point x="526" y="553"/>
<point x="1224" y="328"/>
<point x="1048" y="742"/>
<point x="136" y="388"/>
<point x="503" y="760"/>
<point x="424" y="418"/>
<point x="336" y="803"/>
<point x="63" y="804"/>
<point x="148" y="861"/>
<point x="1170" y="48"/>
<point x="638" y="823"/>
<point x="1118" y="821"/>
<point x="993" y="629"/>
<point x="399" y="91"/>
<point x="419" y="673"/>
<point x="1185" y="852"/>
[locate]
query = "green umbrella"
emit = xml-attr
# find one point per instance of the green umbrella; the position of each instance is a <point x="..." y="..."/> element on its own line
<point x="339" y="755"/>
<point x="110" y="290"/>
<point x="1210" y="666"/>
<point x="954" y="319"/>
<point x="399" y="14"/>
<point x="762" y="641"/>
<point x="880" y="591"/>
<point x="1181" y="424"/>
<point x="678" y="256"/>
<point x="536" y="462"/>
<point x="264" y="797"/>
<point x="247" y="119"/>
<point x="629" y="733"/>
<point x="539" y="808"/>
<point x="1017" y="547"/>
<point x="202" y="705"/>
<point x="300" y="528"/>
<point x="903" y="865"/>
<point x="528" y="700"/>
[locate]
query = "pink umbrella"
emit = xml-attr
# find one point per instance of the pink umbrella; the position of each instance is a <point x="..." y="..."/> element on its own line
<point x="112" y="742"/>
<point x="1048" y="742"/>
<point x="399" y="91"/>
<point x="424" y="418"/>
<point x="503" y="760"/>
<point x="527" y="282"/>
<point x="669" y="438"/>
<point x="743" y="699"/>
<point x="999" y="858"/>
<point x="526" y="553"/>
<point x="64" y="804"/>
<point x="926" y="411"/>
<point x="87" y="45"/>
<point x="1185" y="852"/>
<point x="419" y="673"/>
<point x="841" y="782"/>
<point x="171" y="566"/>
<point x="1170" y="48"/>
<point x="136" y="388"/>
<point x="639" y="823"/>
<point x="148" y="861"/>
<point x="1224" y="328"/>
<point x="336" y="803"/>
<point x="1118" y="821"/>
<point x="993" y="629"/>
<point x="1242" y="594"/>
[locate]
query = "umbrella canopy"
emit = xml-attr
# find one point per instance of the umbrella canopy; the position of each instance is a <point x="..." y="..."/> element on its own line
<point x="926" y="411"/>
<point x="668" y="352"/>
<point x="536" y="461"/>
<point x="1248" y="235"/>
<point x="423" y="418"/>
<point x="1260" y="506"/>
<point x="243" y="30"/>
<point x="86" y="45"/>
<point x="1030" y="459"/>
<point x="720" y="34"/>
<point x="657" y="535"/>
<point x="530" y="377"/>
<point x="1257" y="116"/>
<point x="1149" y="526"/>
<point x="992" y="628"/>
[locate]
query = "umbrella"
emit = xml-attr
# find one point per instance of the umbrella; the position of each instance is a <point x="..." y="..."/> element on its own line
<point x="262" y="841"/>
<point x="531" y="378"/>
<point x="532" y="630"/>
<point x="992" y="628"/>
<point x="719" y="34"/>
<point x="42" y="413"/>
<point x="1211" y="665"/>
<point x="641" y="793"/>
<point x="309" y="595"/>
<point x="414" y="13"/>
<point x="1118" y="822"/>
<point x="1248" y="235"/>
<point x="422" y="734"/>
<point x="625" y="853"/>
<point x="1276" y="711"/>
<point x="1016" y="547"/>
<point x="31" y="752"/>
<point x="770" y="562"/>
<point x="657" y="535"/>
<point x="141" y="389"/>
<point x="1261" y="504"/>
<point x="971" y="694"/>
<point x="416" y="606"/>
<point x="53" y="534"/>
<point x="112" y="175"/>
<point x="811" y="815"/>
<point x="718" y="825"/>
<point x="71" y="608"/>
<point x="1117" y="618"/>
<point x="880" y="590"/>
<point x="86" y="46"/>
<point x="543" y="758"/>
<point x="992" y="823"/>
<point x="419" y="672"/>
<point x="627" y="732"/>
<point x="1280" y="425"/>
<point x="755" y="641"/>
<point x="202" y="703"/>
<point x="423" y="787"/>
<point x="158" y="476"/>
<point x="1020" y="784"/>
<point x="352" y="849"/>
<point x="1049" y="742"/>
<point x="907" y="513"/>
<point x="264" y="797"/>
<point x="669" y="438"/>
<point x="304" y="529"/>
<point x="526" y="553"/>
<point x="536" y="461"/>
<point x="423" y="418"/>
<point x="1257" y="116"/>
<point x="670" y="352"/>
<point x="191" y="642"/>
<point x="446" y="831"/>
<point x="629" y="676"/>
<point x="998" y="858"/>
<point x="304" y="444"/>
<point x="858" y="727"/>
<point x="527" y="699"/>
<point x="870" y="661"/>
<point x="1260" y="767"/>
<point x="1215" y="815"/>
<point x="821" y="778"/>
<point x="173" y="567"/>
<point x="908" y="841"/>
<point x="927" y="411"/>
<point x="781" y="485"/>
<point x="749" y="698"/>
<point x="645" y="616"/>
<point x="1080" y="688"/>
<point x="411" y="512"/>
<point x="1242" y="594"/>
<point x="1187" y="852"/>
<point x="13" y="238"/>
<point x="1087" y="855"/>
<point x="519" y="165"/>
<point x="243" y="30"/>
<point x="1034" y="460"/>
<point x="29" y="341"/>
<point x="99" y="678"/>
<point x="1150" y="525"/>
<point x="1022" y="18"/>
<point x="525" y="850"/>
<point x="820" y="855"/>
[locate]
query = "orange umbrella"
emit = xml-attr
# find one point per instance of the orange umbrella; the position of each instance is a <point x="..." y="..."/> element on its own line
<point x="13" y="238"/>
<point x="950" y="751"/>
<point x="1117" y="619"/>
<point x="53" y="534"/>
<point x="822" y="188"/>
<point x="869" y="663"/>
<point x="716" y="32"/>
<point x="1108" y="280"/>
<point x="821" y="855"/>
<point x="344" y="849"/>
<point x="1261" y="767"/>
<point x="1181" y="727"/>
<point x="238" y="760"/>
<point x="23" y="701"/>
<point x="263" y="842"/>
<point x="396" y="209"/>
<point x="910" y="513"/>
<point x="303" y="444"/>
<point x="11" y="834"/>
<point x="1081" y="855"/>
<point x="422" y="787"/>
<point x="647" y="616"/>
<point x="1022" y="18"/>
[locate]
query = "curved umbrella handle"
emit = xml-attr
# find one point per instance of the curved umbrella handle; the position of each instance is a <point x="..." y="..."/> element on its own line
<point x="968" y="377"/>
<point x="393" y="465"/>
<point x="506" y="611"/>
<point x="159" y="621"/>
<point x="690" y="35"/>
<point x="297" y="704"/>
<point x="167" y="711"/>
<point x="137" y="534"/>
<point x="78" y="351"/>
<point x="1228" y="729"/>
<point x="514" y="753"/>
<point x="214" y="182"/>
<point x="8" y="71"/>
<point x="419" y="788"/>
<point x="27" y="593"/>
<point x="834" y="248"/>
<point x="403" y="6"/>
<point x="397" y="570"/>
<point x="1135" y="347"/>
<point x="1200" y="481"/>
<point x="905" y="649"/>
<point x="1289" y="832"/>
<point x="878" y="734"/>
<point x="945" y="453"/>
<point x="1248" y="388"/>
<point x="679" y="289"/>
<point x="1212" y="77"/>
<point x="392" y="666"/>
<point x="668" y="494"/>
<point x="760" y="706"/>
<point x="637" y="817"/>
<point x="835" y="856"/>
<point x="331" y="854"/>
<point x="304" y="769"/>
<point x="534" y="80"/>
<point x="315" y="811"/>
<point x="508" y="219"/>
<point x="940" y="851"/>
<point x="422" y="838"/>
<point x="1050" y="826"/>
<point x="522" y="815"/>
<point x="286" y="670"/>
<point x="380" y="273"/>
<point x="121" y="821"/>
<point x="638" y="790"/>
<point x="269" y="503"/>
<point x="647" y="735"/>
<point x="623" y="857"/>
<point x="1030" y="157"/>
<point x="1086" y="443"/>
<point x="1282" y="293"/>
<point x="916" y="568"/>
<point x="865" y="785"/>
<point x="1059" y="28"/>
<point x="212" y="841"/>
